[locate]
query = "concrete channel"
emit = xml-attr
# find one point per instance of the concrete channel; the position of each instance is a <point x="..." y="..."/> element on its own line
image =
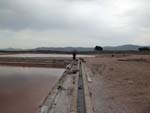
<point x="70" y="94"/>
<point x="81" y="99"/>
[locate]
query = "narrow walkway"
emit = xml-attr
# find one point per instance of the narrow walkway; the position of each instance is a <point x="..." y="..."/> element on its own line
<point x="60" y="99"/>
<point x="70" y="94"/>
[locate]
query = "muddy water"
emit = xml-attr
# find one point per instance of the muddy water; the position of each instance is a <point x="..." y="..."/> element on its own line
<point x="22" y="90"/>
<point x="44" y="55"/>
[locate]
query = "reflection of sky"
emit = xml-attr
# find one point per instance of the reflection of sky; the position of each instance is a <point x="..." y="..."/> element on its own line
<point x="22" y="90"/>
<point x="45" y="55"/>
<point x="16" y="76"/>
<point x="32" y="23"/>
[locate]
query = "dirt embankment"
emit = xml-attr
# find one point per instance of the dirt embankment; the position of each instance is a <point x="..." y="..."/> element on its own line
<point x="35" y="61"/>
<point x="121" y="83"/>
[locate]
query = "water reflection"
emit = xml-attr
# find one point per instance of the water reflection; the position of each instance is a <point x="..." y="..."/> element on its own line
<point x="22" y="90"/>
<point x="44" y="55"/>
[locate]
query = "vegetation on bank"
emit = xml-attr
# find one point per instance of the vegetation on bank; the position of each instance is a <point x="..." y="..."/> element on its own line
<point x="144" y="49"/>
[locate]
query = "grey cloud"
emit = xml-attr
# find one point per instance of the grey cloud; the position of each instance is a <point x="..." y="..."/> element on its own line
<point x="104" y="20"/>
<point x="22" y="15"/>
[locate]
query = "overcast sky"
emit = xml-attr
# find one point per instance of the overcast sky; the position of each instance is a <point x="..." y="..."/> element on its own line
<point x="86" y="23"/>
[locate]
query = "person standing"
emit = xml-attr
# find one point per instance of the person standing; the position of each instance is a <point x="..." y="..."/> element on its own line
<point x="74" y="54"/>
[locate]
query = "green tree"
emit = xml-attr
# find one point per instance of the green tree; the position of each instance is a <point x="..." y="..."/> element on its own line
<point x="98" y="48"/>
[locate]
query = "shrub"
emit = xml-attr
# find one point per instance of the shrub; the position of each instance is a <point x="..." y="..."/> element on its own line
<point x="98" y="48"/>
<point x="144" y="49"/>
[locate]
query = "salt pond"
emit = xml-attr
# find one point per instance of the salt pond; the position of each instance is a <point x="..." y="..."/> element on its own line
<point x="22" y="90"/>
<point x="44" y="55"/>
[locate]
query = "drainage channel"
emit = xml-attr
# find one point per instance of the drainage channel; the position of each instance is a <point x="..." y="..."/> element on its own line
<point x="81" y="99"/>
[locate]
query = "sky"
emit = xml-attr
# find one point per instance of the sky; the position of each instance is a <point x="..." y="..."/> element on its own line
<point x="84" y="23"/>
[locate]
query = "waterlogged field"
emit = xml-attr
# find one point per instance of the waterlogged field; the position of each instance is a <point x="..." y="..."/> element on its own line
<point x="44" y="55"/>
<point x="22" y="90"/>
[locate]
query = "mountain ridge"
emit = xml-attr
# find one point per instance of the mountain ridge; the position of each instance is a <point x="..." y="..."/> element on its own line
<point x="127" y="47"/>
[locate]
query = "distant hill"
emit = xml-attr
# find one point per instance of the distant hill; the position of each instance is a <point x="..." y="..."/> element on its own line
<point x="108" y="48"/>
<point x="67" y="49"/>
<point x="122" y="48"/>
<point x="128" y="47"/>
<point x="11" y="49"/>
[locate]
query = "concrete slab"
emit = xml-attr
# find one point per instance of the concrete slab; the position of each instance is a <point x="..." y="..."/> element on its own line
<point x="62" y="99"/>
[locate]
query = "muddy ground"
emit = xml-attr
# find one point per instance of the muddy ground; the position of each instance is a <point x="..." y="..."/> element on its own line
<point x="120" y="83"/>
<point x="56" y="62"/>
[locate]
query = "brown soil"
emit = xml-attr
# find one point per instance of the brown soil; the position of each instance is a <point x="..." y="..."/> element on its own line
<point x="121" y="83"/>
<point x="35" y="61"/>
